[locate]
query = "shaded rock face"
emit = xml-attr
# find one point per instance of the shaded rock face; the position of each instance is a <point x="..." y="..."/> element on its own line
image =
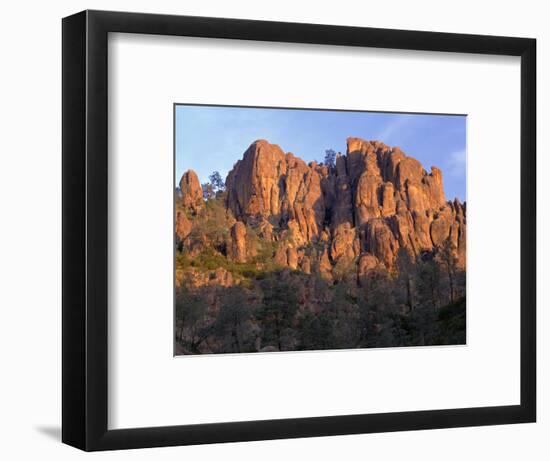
<point x="238" y="242"/>
<point x="191" y="191"/>
<point x="345" y="242"/>
<point x="374" y="201"/>
<point x="183" y="226"/>
<point x="288" y="256"/>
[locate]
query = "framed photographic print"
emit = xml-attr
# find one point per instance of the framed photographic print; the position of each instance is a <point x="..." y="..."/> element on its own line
<point x="277" y="230"/>
<point x="346" y="251"/>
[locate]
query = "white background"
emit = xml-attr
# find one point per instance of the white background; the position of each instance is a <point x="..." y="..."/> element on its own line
<point x="148" y="387"/>
<point x="30" y="147"/>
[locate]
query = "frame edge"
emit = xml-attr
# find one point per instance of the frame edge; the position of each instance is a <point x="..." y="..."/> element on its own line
<point x="73" y="379"/>
<point x="84" y="175"/>
<point x="529" y="230"/>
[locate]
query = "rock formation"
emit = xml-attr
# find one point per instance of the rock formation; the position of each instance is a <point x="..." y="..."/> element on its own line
<point x="191" y="191"/>
<point x="372" y="202"/>
<point x="270" y="186"/>
<point x="237" y="244"/>
<point x="183" y="225"/>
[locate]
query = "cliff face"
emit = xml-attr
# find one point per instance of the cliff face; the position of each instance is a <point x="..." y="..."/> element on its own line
<point x="273" y="189"/>
<point x="374" y="201"/>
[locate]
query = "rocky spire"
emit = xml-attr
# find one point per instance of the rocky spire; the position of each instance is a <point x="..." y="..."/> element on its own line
<point x="191" y="191"/>
<point x="374" y="201"/>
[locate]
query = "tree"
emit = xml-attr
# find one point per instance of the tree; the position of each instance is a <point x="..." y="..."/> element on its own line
<point x="423" y="328"/>
<point x="233" y="327"/>
<point x="330" y="159"/>
<point x="428" y="282"/>
<point x="207" y="190"/>
<point x="190" y="312"/>
<point x="210" y="229"/>
<point x="449" y="262"/>
<point x="381" y="320"/>
<point x="315" y="331"/>
<point x="345" y="316"/>
<point x="217" y="182"/>
<point x="405" y="277"/>
<point x="277" y="311"/>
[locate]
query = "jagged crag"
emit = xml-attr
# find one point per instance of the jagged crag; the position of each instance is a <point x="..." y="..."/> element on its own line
<point x="365" y="252"/>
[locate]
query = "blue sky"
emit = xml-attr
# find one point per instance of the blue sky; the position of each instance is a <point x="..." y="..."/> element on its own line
<point x="210" y="138"/>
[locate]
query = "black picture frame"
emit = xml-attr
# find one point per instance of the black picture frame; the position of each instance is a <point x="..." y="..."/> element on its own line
<point x="85" y="220"/>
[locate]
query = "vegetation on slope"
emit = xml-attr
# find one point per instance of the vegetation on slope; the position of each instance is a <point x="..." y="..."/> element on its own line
<point x="267" y="307"/>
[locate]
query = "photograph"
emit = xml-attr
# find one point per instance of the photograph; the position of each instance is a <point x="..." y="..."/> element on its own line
<point x="310" y="229"/>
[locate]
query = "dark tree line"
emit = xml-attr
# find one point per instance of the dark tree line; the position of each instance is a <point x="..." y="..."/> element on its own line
<point x="421" y="303"/>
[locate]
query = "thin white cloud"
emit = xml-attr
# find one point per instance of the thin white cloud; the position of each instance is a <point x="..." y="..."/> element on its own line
<point x="456" y="163"/>
<point x="394" y="128"/>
